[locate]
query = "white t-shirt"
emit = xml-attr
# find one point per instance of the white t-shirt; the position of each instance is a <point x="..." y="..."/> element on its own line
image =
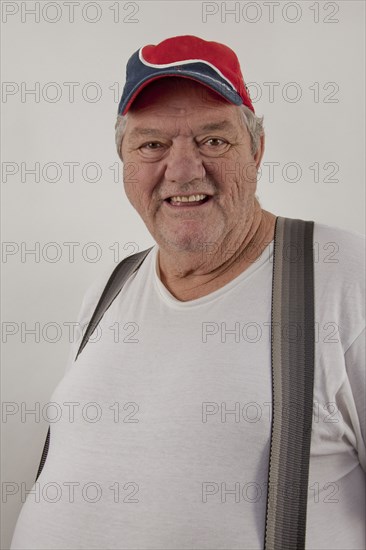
<point x="164" y="438"/>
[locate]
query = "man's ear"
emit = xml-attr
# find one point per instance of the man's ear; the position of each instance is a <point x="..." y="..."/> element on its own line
<point x="260" y="152"/>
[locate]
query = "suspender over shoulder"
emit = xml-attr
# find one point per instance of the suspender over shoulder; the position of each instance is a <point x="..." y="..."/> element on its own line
<point x="292" y="331"/>
<point x="292" y="358"/>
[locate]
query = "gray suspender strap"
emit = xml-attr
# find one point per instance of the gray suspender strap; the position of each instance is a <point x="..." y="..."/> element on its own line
<point x="113" y="287"/>
<point x="293" y="345"/>
<point x="292" y="377"/>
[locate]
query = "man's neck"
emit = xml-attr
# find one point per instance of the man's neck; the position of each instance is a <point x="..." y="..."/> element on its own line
<point x="216" y="270"/>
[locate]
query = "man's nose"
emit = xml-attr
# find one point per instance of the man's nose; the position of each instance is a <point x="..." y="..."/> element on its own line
<point x="184" y="164"/>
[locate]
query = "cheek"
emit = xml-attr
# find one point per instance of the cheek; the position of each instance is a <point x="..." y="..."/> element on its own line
<point x="138" y="184"/>
<point x="130" y="173"/>
<point x="234" y="169"/>
<point x="250" y="174"/>
<point x="238" y="183"/>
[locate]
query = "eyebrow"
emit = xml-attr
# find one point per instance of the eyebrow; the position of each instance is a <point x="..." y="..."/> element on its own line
<point x="212" y="126"/>
<point x="145" y="132"/>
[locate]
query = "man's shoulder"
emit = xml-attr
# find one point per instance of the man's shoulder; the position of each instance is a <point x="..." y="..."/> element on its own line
<point x="95" y="289"/>
<point x="93" y="292"/>
<point x="341" y="248"/>
<point x="339" y="234"/>
<point x="339" y="270"/>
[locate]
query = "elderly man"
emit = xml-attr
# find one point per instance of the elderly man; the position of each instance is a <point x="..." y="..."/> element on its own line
<point x="176" y="454"/>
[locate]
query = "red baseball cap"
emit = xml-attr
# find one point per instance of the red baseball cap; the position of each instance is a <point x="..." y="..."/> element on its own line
<point x="212" y="64"/>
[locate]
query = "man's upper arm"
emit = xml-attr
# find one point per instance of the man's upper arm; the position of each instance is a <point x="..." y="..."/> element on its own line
<point x="356" y="371"/>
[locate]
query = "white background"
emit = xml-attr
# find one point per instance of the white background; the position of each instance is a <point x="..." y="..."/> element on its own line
<point x="309" y="51"/>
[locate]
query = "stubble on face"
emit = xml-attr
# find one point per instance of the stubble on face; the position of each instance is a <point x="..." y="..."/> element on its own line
<point x="174" y="113"/>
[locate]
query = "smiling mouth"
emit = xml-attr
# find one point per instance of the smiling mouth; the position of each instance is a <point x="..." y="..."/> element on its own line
<point x="188" y="200"/>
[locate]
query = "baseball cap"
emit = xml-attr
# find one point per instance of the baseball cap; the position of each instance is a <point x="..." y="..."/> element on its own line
<point x="212" y="64"/>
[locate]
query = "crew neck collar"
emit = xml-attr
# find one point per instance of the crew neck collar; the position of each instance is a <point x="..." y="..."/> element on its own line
<point x="165" y="294"/>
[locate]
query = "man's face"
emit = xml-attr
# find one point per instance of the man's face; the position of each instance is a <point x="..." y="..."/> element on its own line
<point x="181" y="140"/>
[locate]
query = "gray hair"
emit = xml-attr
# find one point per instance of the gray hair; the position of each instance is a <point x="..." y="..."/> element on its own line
<point x="253" y="123"/>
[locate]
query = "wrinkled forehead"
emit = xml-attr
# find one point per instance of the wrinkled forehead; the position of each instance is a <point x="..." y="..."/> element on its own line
<point x="178" y="106"/>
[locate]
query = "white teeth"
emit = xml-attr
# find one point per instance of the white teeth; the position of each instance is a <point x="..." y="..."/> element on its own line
<point x="191" y="198"/>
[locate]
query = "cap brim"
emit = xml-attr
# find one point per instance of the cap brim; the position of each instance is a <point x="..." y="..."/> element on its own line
<point x="222" y="89"/>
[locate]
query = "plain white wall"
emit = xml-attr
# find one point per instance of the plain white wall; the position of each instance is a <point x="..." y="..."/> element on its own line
<point x="309" y="51"/>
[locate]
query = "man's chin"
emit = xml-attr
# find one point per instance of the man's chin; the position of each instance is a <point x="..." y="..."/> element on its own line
<point x="184" y="243"/>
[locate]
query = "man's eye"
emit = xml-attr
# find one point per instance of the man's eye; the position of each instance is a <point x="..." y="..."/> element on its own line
<point x="215" y="142"/>
<point x="151" y="146"/>
<point x="214" y="146"/>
